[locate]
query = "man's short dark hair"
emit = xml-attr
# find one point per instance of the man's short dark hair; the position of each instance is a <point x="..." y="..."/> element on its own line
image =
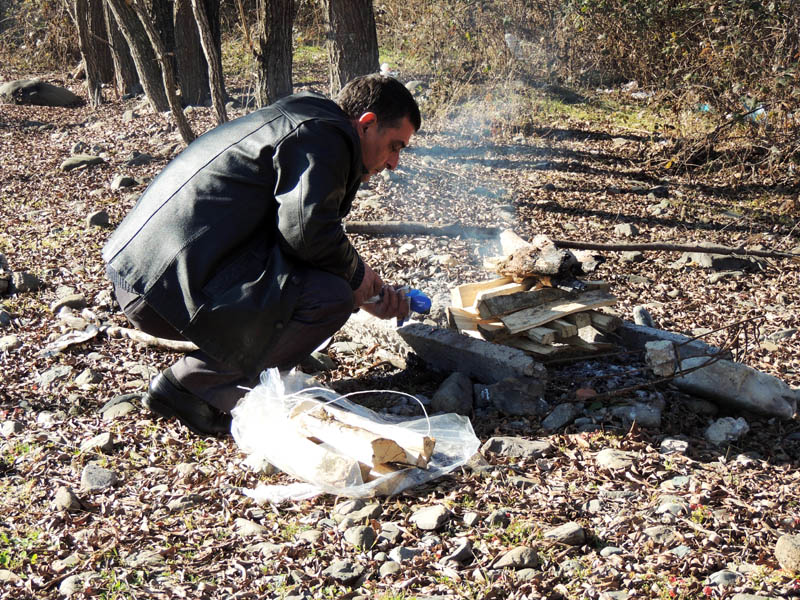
<point x="385" y="96"/>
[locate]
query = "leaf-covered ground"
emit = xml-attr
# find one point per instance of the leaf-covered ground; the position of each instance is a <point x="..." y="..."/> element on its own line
<point x="176" y="523"/>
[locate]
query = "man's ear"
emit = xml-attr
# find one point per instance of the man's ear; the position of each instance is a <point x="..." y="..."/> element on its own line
<point x="367" y="120"/>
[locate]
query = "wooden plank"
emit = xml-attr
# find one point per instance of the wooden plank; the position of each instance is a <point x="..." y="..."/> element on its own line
<point x="465" y="319"/>
<point x="581" y="343"/>
<point x="542" y="335"/>
<point x="540" y="315"/>
<point x="603" y="322"/>
<point x="579" y="319"/>
<point x="503" y="290"/>
<point x="463" y="296"/>
<point x="563" y="328"/>
<point x="493" y="332"/>
<point x="361" y="438"/>
<point x="529" y="345"/>
<point x="503" y="305"/>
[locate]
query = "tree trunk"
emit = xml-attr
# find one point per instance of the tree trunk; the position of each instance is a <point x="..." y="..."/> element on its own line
<point x="352" y="40"/>
<point x="142" y="53"/>
<point x="126" y="80"/>
<point x="192" y="66"/>
<point x="273" y="50"/>
<point x="100" y="41"/>
<point x="214" y="59"/>
<point x="167" y="73"/>
<point x="89" y="46"/>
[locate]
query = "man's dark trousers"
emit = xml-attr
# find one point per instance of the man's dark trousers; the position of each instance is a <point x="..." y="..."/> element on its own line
<point x="325" y="302"/>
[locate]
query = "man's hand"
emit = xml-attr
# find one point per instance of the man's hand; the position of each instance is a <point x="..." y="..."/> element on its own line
<point x="392" y="304"/>
<point x="370" y="286"/>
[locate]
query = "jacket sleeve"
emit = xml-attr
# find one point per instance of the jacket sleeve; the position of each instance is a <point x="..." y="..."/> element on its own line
<point x="314" y="169"/>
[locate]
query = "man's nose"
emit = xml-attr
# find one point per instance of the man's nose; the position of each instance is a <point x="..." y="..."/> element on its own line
<point x="392" y="161"/>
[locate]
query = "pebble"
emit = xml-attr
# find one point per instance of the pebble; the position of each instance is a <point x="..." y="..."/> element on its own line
<point x="461" y="552"/>
<point x="431" y="518"/>
<point x="95" y="478"/>
<point x="9" y="343"/>
<point x="561" y="415"/>
<point x="11" y="427"/>
<point x="498" y="518"/>
<point x="610" y="551"/>
<point x="104" y="442"/>
<point x="118" y="410"/>
<point x="65" y="499"/>
<point x="454" y="395"/>
<point x="98" y="218"/>
<point x="787" y="551"/>
<point x="661" y="534"/>
<point x="726" y="430"/>
<point x="521" y="557"/>
<point x="516" y="447"/>
<point x="248" y="528"/>
<point x="389" y="568"/>
<point x="71" y="300"/>
<point x="570" y="533"/>
<point x="673" y="446"/>
<point x="615" y="460"/>
<point x="401" y="554"/>
<point x="361" y="536"/>
<point x="723" y="577"/>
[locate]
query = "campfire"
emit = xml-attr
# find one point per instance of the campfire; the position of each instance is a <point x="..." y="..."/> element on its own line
<point x="538" y="302"/>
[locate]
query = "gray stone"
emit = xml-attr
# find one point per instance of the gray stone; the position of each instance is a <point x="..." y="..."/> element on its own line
<point x="673" y="446"/>
<point x="390" y="534"/>
<point x="518" y="396"/>
<point x="471" y="518"/>
<point x="22" y="282"/>
<point x="389" y="568"/>
<point x="614" y="595"/>
<point x="79" y="161"/>
<point x="726" y="430"/>
<point x="401" y="554"/>
<point x="570" y="533"/>
<point x="11" y="427"/>
<point x="753" y="597"/>
<point x="461" y="552"/>
<point x="787" y="551"/>
<point x="677" y="483"/>
<point x="5" y="316"/>
<point x="521" y="557"/>
<point x="95" y="478"/>
<point x="680" y="551"/>
<point x="142" y="559"/>
<point x="137" y="158"/>
<point x="610" y="551"/>
<point x="644" y="415"/>
<point x="312" y="536"/>
<point x="454" y="395"/>
<point x="129" y="115"/>
<point x="66" y="499"/>
<point x="117" y="411"/>
<point x="53" y="373"/>
<point x="103" y="442"/>
<point x="781" y="334"/>
<point x="36" y="92"/>
<point x="360" y="536"/>
<point x="673" y="508"/>
<point x="641" y="316"/>
<point x="247" y="528"/>
<point x="75" y="584"/>
<point x="610" y="458"/>
<point x="499" y="517"/>
<point x="739" y="386"/>
<point x="71" y="300"/>
<point x="660" y="357"/>
<point x="632" y="256"/>
<point x="88" y="377"/>
<point x="357" y="511"/>
<point x="431" y="518"/>
<point x="661" y="534"/>
<point x="98" y="218"/>
<point x="123" y="181"/>
<point x="68" y="562"/>
<point x="561" y="415"/>
<point x="626" y="230"/>
<point x="515" y="447"/>
<point x="9" y="343"/>
<point x="724" y="577"/>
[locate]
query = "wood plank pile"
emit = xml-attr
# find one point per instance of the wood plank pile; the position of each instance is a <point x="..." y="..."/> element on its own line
<point x="340" y="446"/>
<point x="536" y="302"/>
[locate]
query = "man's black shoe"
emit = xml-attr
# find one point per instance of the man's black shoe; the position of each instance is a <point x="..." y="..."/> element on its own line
<point x="168" y="400"/>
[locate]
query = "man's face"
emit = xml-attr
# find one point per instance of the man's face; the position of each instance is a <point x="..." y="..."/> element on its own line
<point x="380" y="146"/>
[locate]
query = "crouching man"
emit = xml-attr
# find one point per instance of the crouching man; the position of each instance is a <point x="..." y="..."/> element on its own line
<point x="238" y="244"/>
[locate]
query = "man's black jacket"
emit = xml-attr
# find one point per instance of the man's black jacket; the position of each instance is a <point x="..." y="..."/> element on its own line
<point x="212" y="242"/>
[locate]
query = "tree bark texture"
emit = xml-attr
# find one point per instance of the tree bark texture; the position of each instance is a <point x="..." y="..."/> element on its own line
<point x="142" y="53"/>
<point x="192" y="65"/>
<point x="352" y="40"/>
<point x="214" y="59"/>
<point x="167" y="72"/>
<point x="126" y="79"/>
<point x="89" y="49"/>
<point x="273" y="50"/>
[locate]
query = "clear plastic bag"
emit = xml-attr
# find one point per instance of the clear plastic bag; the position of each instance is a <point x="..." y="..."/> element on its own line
<point x="263" y="429"/>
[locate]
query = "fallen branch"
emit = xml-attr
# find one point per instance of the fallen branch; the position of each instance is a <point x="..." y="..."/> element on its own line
<point x="419" y="228"/>
<point x="150" y="340"/>
<point x="668" y="247"/>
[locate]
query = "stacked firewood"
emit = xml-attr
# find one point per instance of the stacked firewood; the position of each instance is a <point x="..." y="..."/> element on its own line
<point x="537" y="302"/>
<point x="341" y="448"/>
